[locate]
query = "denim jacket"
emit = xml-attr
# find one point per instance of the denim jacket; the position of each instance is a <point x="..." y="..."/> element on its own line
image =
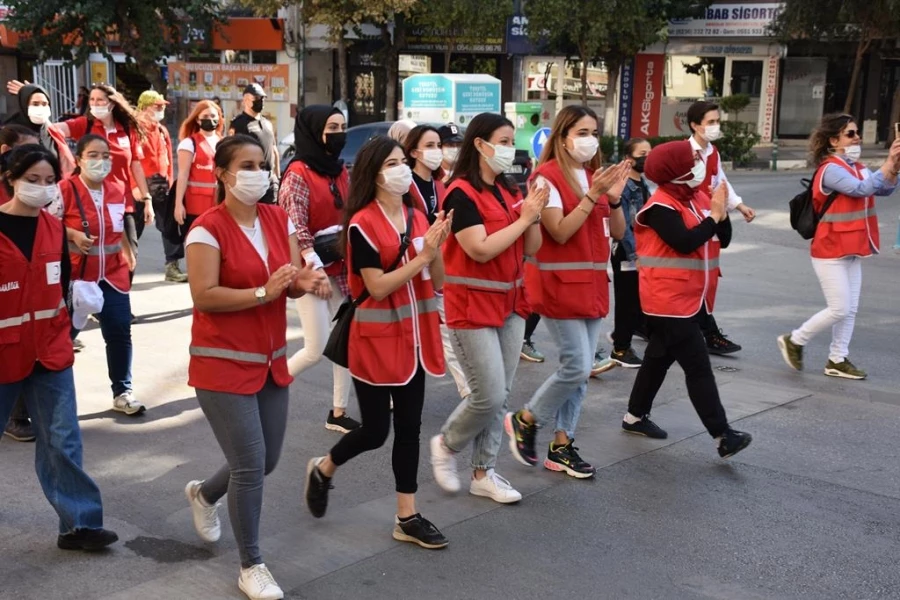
<point x="632" y="201"/>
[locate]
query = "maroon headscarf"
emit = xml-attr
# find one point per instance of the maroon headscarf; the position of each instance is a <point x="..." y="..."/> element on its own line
<point x="669" y="162"/>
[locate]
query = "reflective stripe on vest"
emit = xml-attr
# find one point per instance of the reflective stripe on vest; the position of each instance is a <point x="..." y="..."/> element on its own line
<point x="856" y="215"/>
<point x="566" y="266"/>
<point x="250" y="357"/>
<point x="484" y="283"/>
<point x="393" y="315"/>
<point x="690" y="264"/>
<point x="95" y="250"/>
<point x="39" y="315"/>
<point x="201" y="184"/>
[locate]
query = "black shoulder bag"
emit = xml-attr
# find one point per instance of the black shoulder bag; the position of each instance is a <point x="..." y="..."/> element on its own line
<point x="336" y="349"/>
<point x="84" y="224"/>
<point x="804" y="218"/>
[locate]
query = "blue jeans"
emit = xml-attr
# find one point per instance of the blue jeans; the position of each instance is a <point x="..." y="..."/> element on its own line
<point x="561" y="396"/>
<point x="50" y="399"/>
<point x="115" y="325"/>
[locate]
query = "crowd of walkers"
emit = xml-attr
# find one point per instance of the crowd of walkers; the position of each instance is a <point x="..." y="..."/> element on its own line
<point x="442" y="262"/>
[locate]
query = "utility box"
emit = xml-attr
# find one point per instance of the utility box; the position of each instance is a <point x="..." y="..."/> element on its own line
<point x="870" y="132"/>
<point x="526" y="117"/>
<point x="449" y="98"/>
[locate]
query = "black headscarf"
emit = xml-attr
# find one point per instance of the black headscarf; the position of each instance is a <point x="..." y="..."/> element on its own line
<point x="21" y="117"/>
<point x="308" y="145"/>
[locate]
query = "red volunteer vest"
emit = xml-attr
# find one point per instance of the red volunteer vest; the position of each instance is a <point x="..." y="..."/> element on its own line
<point x="440" y="191"/>
<point x="673" y="284"/>
<point x="569" y="281"/>
<point x="850" y="227"/>
<point x="234" y="351"/>
<point x="124" y="147"/>
<point x="391" y="337"/>
<point x="105" y="259"/>
<point x="200" y="194"/>
<point x="34" y="322"/>
<point x="322" y="211"/>
<point x="478" y="294"/>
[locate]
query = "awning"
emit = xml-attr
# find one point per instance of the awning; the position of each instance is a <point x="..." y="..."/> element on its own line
<point x="249" y="33"/>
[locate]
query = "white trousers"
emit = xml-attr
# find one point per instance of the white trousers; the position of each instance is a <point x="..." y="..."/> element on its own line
<point x="450" y="356"/>
<point x="315" y="317"/>
<point x="841" y="281"/>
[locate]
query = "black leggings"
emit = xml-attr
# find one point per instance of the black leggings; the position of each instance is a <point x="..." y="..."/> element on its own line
<point x="628" y="317"/>
<point x="375" y="409"/>
<point x="531" y="324"/>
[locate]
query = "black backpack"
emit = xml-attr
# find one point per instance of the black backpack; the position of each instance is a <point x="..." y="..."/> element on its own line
<point x="804" y="218"/>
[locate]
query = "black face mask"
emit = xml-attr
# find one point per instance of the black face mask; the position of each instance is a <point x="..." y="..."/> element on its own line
<point x="335" y="142"/>
<point x="639" y="163"/>
<point x="258" y="104"/>
<point x="208" y="124"/>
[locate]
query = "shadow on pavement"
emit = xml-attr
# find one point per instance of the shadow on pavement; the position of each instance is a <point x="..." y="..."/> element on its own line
<point x="165" y="411"/>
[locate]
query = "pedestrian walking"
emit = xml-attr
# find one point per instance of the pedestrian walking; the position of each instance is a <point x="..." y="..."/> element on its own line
<point x="395" y="264"/>
<point x="94" y="215"/>
<point x="36" y="114"/>
<point x="679" y="272"/>
<point x="157" y="165"/>
<point x="484" y="295"/>
<point x="36" y="351"/>
<point x="847" y="233"/>
<point x="567" y="282"/>
<point x="313" y="192"/>
<point x="243" y="263"/>
<point x="195" y="188"/>
<point x="252" y="122"/>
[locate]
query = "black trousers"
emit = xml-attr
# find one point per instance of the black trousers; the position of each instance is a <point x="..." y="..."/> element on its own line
<point x="375" y="409"/>
<point x="531" y="324"/>
<point x="159" y="190"/>
<point x="628" y="316"/>
<point x="708" y="324"/>
<point x="678" y="340"/>
<point x="134" y="229"/>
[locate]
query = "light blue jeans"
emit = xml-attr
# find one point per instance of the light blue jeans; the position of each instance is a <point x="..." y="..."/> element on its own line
<point x="488" y="357"/>
<point x="561" y="396"/>
<point x="50" y="400"/>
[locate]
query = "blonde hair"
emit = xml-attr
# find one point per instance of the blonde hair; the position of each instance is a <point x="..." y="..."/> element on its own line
<point x="555" y="148"/>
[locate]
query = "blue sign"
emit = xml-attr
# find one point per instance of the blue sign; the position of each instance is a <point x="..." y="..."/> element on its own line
<point x="475" y="98"/>
<point x="427" y="91"/>
<point x="538" y="140"/>
<point x="626" y="92"/>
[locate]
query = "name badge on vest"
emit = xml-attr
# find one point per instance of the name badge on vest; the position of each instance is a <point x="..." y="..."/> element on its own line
<point x="606" y="226"/>
<point x="124" y="141"/>
<point x="53" y="272"/>
<point x="419" y="244"/>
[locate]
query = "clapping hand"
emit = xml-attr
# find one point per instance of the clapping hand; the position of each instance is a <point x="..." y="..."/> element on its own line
<point x="280" y="280"/>
<point x="610" y="180"/>
<point x="310" y="280"/>
<point x="436" y="235"/>
<point x="535" y="202"/>
<point x="718" y="211"/>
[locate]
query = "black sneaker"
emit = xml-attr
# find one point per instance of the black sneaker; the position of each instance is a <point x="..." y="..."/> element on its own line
<point x="521" y="438"/>
<point x="419" y="530"/>
<point x="20" y="430"/>
<point x="77" y="345"/>
<point x="343" y="423"/>
<point x="733" y="442"/>
<point x="566" y="459"/>
<point x="90" y="540"/>
<point x="317" y="486"/>
<point x="626" y="358"/>
<point x="645" y="427"/>
<point x="718" y="343"/>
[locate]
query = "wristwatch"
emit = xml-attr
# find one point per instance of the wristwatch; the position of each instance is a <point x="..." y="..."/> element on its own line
<point x="260" y="294"/>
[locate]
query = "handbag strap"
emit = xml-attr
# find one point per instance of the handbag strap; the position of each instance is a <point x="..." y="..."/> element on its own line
<point x="84" y="223"/>
<point x="405" y="241"/>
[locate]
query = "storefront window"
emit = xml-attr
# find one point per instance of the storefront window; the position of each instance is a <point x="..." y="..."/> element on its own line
<point x="694" y="77"/>
<point x="747" y="77"/>
<point x="246" y="57"/>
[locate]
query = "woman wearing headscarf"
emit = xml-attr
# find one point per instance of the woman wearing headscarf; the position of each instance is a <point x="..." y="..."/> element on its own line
<point x="312" y="192"/>
<point x="679" y="270"/>
<point x="35" y="113"/>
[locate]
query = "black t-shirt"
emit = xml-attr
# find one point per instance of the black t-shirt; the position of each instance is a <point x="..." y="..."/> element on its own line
<point x="260" y="128"/>
<point x="364" y="255"/>
<point x="465" y="211"/>
<point x="429" y="193"/>
<point x="22" y="231"/>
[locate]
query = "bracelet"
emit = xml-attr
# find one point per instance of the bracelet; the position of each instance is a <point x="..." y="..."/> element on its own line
<point x="614" y="206"/>
<point x="583" y="209"/>
<point x="591" y="200"/>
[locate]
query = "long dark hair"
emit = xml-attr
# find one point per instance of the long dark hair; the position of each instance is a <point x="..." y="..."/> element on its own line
<point x="468" y="164"/>
<point x="412" y="141"/>
<point x="831" y="126"/>
<point x="225" y="151"/>
<point x="22" y="158"/>
<point x="365" y="174"/>
<point x="121" y="113"/>
<point x="82" y="144"/>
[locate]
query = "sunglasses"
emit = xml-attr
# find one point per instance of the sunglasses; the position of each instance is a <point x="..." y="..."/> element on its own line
<point x="852" y="133"/>
<point x="336" y="193"/>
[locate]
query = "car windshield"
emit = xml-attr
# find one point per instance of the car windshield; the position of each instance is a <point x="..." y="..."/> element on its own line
<point x="357" y="136"/>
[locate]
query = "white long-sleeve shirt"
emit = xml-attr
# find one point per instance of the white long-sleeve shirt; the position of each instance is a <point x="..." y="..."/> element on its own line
<point x="733" y="199"/>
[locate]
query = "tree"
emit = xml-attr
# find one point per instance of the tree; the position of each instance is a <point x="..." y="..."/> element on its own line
<point x="862" y="22"/>
<point x="147" y="30"/>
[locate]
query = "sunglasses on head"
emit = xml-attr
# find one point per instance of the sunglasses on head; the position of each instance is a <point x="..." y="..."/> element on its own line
<point x="336" y="193"/>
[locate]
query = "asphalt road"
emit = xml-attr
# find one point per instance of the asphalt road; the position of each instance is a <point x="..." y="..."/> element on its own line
<point x="808" y="511"/>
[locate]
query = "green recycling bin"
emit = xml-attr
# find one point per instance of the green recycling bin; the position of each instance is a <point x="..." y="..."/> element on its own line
<point x="526" y="116"/>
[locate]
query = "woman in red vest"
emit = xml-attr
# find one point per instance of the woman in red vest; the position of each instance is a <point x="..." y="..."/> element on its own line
<point x="35" y="348"/>
<point x="36" y="115"/>
<point x="567" y="282"/>
<point x="243" y="263"/>
<point x="313" y="191"/>
<point x="847" y="233"/>
<point x="394" y="258"/>
<point x="101" y="253"/>
<point x="678" y="275"/>
<point x="484" y="299"/>
<point x="195" y="188"/>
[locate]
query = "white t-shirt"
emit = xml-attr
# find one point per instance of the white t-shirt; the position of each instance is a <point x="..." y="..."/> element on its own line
<point x="201" y="235"/>
<point x="555" y="199"/>
<point x="97" y="196"/>
<point x="188" y="143"/>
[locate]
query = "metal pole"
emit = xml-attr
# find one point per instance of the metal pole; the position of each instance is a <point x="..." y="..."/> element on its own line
<point x="775" y="153"/>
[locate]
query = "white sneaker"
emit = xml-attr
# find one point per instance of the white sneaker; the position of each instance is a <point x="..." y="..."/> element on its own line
<point x="257" y="582"/>
<point x="127" y="404"/>
<point x="495" y="487"/>
<point x="443" y="462"/>
<point x="206" y="518"/>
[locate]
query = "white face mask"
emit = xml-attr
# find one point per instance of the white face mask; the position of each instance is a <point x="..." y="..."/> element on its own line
<point x="36" y="195"/>
<point x="432" y="158"/>
<point x="699" y="174"/>
<point x="99" y="112"/>
<point x="853" y="152"/>
<point x="502" y="160"/>
<point x="250" y="186"/>
<point x="450" y="154"/>
<point x="583" y="148"/>
<point x="712" y="132"/>
<point x="39" y="114"/>
<point x="396" y="180"/>
<point x="159" y="115"/>
<point x="96" y="169"/>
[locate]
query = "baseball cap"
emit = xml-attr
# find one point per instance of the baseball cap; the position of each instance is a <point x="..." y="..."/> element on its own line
<point x="450" y="133"/>
<point x="256" y="90"/>
<point x="149" y="98"/>
<point x="87" y="300"/>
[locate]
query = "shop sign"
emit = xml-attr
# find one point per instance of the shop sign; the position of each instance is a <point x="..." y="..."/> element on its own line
<point x="204" y="81"/>
<point x="729" y="20"/>
<point x="420" y="39"/>
<point x="648" y="92"/>
<point x="626" y="87"/>
<point x="769" y="105"/>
